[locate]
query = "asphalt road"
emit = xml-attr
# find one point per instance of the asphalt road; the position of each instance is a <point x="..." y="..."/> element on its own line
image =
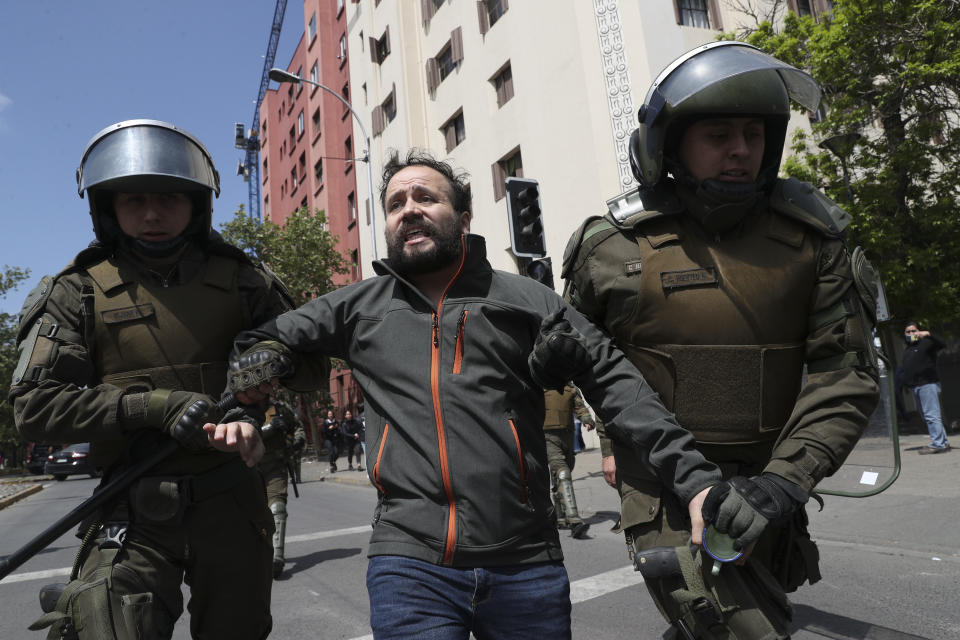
<point x="890" y="563"/>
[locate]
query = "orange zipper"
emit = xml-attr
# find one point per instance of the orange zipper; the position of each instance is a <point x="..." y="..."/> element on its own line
<point x="376" y="467"/>
<point x="523" y="468"/>
<point x="458" y="355"/>
<point x="438" y="418"/>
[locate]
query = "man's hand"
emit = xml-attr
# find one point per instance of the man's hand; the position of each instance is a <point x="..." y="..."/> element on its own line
<point x="558" y="354"/>
<point x="609" y="466"/>
<point x="696" y="518"/>
<point x="743" y="507"/>
<point x="239" y="437"/>
<point x="253" y="375"/>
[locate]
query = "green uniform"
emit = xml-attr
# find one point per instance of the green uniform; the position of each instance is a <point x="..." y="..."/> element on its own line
<point x="721" y="326"/>
<point x="558" y="426"/>
<point x="109" y="329"/>
<point x="283" y="438"/>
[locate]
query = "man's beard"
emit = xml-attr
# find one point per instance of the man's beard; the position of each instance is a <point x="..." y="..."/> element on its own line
<point x="444" y="250"/>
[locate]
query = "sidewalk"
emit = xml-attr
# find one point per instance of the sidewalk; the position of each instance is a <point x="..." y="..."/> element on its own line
<point x="18" y="487"/>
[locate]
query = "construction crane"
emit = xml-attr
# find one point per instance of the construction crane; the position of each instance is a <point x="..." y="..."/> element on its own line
<point x="249" y="140"/>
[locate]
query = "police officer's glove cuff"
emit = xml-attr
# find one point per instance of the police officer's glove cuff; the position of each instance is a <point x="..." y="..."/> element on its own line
<point x="558" y="354"/>
<point x="744" y="507"/>
<point x="263" y="362"/>
<point x="179" y="414"/>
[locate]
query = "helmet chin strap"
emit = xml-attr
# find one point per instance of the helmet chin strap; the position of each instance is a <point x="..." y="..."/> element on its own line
<point x="717" y="205"/>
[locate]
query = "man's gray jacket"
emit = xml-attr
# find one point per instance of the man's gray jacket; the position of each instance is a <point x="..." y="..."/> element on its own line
<point x="454" y="418"/>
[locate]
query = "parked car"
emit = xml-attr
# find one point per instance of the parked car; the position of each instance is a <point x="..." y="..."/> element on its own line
<point x="71" y="460"/>
<point x="37" y="453"/>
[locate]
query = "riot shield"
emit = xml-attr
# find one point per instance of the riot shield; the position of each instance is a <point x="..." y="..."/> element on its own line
<point x="874" y="463"/>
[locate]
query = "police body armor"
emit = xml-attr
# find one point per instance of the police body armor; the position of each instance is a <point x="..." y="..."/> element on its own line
<point x="143" y="343"/>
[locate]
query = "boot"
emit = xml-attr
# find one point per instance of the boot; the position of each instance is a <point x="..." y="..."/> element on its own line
<point x="279" y="510"/>
<point x="578" y="528"/>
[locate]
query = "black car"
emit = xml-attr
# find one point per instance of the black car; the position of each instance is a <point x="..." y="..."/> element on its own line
<point x="71" y="460"/>
<point x="37" y="453"/>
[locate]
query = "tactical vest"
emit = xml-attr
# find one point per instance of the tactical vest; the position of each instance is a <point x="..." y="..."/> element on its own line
<point x="148" y="336"/>
<point x="717" y="326"/>
<point x="558" y="407"/>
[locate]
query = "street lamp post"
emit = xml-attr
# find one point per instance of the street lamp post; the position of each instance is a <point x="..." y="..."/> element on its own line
<point x="279" y="75"/>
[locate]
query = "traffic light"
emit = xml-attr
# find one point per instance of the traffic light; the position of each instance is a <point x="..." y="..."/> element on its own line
<point x="526" y="225"/>
<point x="541" y="270"/>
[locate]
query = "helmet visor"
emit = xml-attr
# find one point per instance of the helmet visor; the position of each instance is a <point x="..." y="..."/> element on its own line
<point x="719" y="62"/>
<point x="146" y="155"/>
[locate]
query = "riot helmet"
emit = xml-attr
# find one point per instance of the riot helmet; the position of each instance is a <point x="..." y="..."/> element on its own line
<point x="725" y="79"/>
<point x="147" y="156"/>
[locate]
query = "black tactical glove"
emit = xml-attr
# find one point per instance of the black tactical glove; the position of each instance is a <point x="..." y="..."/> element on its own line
<point x="558" y="354"/>
<point x="179" y="414"/>
<point x="743" y="507"/>
<point x="298" y="444"/>
<point x="260" y="363"/>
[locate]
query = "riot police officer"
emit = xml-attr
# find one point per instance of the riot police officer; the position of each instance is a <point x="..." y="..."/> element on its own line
<point x="558" y="427"/>
<point x="126" y="348"/>
<point x="284" y="439"/>
<point x="721" y="282"/>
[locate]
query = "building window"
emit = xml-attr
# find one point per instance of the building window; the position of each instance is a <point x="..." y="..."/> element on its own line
<point x="703" y="14"/>
<point x="315" y="72"/>
<point x="342" y="55"/>
<point x="294" y="180"/>
<point x="454" y="131"/>
<point x="443" y="64"/>
<point x="316" y="122"/>
<point x="348" y="153"/>
<point x="265" y="172"/>
<point x="509" y="166"/>
<point x="380" y="49"/>
<point x="812" y="8"/>
<point x="299" y="84"/>
<point x="503" y="83"/>
<point x="266" y="206"/>
<point x="312" y="28"/>
<point x="302" y="166"/>
<point x="429" y="8"/>
<point x="354" y="265"/>
<point x="384" y="113"/>
<point x="351" y="208"/>
<point x="318" y="171"/>
<point x="339" y="6"/>
<point x="300" y="123"/>
<point x="489" y="11"/>
<point x="293" y="139"/>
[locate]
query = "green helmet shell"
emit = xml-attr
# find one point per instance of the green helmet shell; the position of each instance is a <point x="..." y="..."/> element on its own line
<point x="721" y="78"/>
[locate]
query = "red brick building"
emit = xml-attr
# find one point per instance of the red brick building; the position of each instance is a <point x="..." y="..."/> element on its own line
<point x="307" y="149"/>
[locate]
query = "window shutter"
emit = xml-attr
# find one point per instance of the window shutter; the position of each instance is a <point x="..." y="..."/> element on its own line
<point x="713" y="14"/>
<point x="792" y="6"/>
<point x="433" y="74"/>
<point x="450" y="133"/>
<point x="456" y="45"/>
<point x="676" y="11"/>
<point x="499" y="188"/>
<point x="482" y="16"/>
<point x="373" y="49"/>
<point x="426" y="10"/>
<point x="377" y="118"/>
<point x="386" y="37"/>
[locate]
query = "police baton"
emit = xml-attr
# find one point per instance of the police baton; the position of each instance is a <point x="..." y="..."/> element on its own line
<point x="101" y="496"/>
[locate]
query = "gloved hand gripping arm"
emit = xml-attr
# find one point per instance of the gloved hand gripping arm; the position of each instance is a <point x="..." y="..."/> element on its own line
<point x="558" y="354"/>
<point x="744" y="507"/>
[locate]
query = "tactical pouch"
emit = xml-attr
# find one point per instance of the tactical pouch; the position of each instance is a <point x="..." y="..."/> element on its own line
<point x="86" y="609"/>
<point x="797" y="559"/>
<point x="158" y="500"/>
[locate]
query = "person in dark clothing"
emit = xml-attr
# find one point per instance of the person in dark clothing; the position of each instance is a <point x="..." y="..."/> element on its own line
<point x="920" y="376"/>
<point x="331" y="433"/>
<point x="352" y="431"/>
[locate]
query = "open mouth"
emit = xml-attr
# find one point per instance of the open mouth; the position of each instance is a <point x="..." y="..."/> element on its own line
<point x="735" y="175"/>
<point x="415" y="235"/>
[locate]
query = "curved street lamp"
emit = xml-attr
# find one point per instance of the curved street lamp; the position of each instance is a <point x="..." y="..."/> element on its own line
<point x="279" y="75"/>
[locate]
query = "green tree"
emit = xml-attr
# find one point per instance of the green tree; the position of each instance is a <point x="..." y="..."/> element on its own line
<point x="10" y="443"/>
<point x="890" y="71"/>
<point x="304" y="256"/>
<point x="301" y="251"/>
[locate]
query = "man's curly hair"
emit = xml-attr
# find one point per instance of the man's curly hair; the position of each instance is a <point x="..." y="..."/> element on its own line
<point x="460" y="196"/>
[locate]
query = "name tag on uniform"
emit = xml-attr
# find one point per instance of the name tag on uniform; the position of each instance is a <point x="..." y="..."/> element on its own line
<point x="126" y="314"/>
<point x="631" y="267"/>
<point x="688" y="278"/>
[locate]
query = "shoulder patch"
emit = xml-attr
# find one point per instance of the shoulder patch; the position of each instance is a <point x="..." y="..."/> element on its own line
<point x="34" y="303"/>
<point x="573" y="245"/>
<point x="801" y="201"/>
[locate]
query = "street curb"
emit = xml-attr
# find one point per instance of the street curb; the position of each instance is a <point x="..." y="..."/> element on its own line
<point x="29" y="491"/>
<point x="359" y="481"/>
<point x="22" y="479"/>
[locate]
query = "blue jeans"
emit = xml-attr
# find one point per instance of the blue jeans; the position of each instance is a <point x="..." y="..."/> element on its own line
<point x="415" y="599"/>
<point x="928" y="399"/>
